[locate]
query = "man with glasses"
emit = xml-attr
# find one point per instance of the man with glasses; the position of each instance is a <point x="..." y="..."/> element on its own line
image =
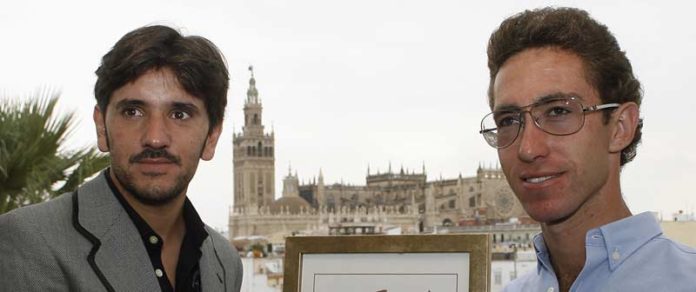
<point x="565" y="119"/>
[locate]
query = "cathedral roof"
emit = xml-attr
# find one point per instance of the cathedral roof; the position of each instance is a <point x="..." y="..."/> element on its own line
<point x="294" y="204"/>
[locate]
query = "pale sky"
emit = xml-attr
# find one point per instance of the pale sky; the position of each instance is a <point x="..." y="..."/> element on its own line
<point x="351" y="83"/>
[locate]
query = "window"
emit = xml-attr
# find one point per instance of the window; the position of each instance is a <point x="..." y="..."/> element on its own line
<point x="498" y="277"/>
<point x="252" y="183"/>
<point x="452" y="204"/>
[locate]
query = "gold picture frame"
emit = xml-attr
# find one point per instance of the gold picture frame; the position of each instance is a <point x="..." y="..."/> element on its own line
<point x="436" y="250"/>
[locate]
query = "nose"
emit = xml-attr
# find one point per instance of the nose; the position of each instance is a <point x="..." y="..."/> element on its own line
<point x="155" y="133"/>
<point x="532" y="141"/>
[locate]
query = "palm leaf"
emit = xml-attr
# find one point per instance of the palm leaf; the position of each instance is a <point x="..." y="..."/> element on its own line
<point x="32" y="158"/>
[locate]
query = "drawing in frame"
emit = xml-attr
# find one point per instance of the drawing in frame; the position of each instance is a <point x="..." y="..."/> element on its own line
<point x="386" y="263"/>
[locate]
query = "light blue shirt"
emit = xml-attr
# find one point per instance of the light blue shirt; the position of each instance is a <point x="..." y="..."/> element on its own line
<point x="631" y="254"/>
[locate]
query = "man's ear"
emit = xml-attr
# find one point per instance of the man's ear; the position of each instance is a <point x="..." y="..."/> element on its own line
<point x="100" y="124"/>
<point x="210" y="143"/>
<point x="625" y="121"/>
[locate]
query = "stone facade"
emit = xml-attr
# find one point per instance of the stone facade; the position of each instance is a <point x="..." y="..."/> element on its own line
<point x="393" y="201"/>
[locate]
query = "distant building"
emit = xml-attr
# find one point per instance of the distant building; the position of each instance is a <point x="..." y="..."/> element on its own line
<point x="253" y="156"/>
<point x="681" y="228"/>
<point x="388" y="202"/>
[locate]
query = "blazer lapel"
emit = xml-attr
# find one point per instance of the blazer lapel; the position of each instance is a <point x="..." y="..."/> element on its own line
<point x="118" y="252"/>
<point x="212" y="271"/>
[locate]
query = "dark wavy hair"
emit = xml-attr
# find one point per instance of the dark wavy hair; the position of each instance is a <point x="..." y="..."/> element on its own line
<point x="197" y="63"/>
<point x="573" y="30"/>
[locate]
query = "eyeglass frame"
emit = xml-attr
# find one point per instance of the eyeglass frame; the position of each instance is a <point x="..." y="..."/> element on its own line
<point x="522" y="111"/>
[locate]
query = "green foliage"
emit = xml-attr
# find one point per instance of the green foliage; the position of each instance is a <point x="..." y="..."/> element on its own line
<point x="34" y="167"/>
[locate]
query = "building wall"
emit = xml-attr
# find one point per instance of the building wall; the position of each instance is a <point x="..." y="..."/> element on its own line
<point x="681" y="231"/>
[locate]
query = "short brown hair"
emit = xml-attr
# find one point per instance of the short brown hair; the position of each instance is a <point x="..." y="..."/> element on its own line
<point x="571" y="29"/>
<point x="196" y="62"/>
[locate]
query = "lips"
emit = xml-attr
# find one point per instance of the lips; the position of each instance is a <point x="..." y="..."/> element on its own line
<point x="535" y="179"/>
<point x="154" y="167"/>
<point x="154" y="161"/>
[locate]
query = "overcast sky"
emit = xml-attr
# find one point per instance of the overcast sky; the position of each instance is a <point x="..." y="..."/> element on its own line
<point x="351" y="83"/>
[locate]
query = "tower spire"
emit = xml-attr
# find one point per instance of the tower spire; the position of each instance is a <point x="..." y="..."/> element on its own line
<point x="252" y="92"/>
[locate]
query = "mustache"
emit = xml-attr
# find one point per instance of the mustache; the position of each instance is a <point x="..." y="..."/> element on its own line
<point x="154" y="153"/>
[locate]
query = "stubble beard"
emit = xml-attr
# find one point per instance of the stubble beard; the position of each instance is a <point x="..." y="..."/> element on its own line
<point x="156" y="195"/>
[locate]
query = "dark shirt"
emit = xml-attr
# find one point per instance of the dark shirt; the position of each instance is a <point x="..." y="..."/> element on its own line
<point x="188" y="276"/>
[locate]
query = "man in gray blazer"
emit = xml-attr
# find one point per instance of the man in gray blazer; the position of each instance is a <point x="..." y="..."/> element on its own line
<point x="161" y="98"/>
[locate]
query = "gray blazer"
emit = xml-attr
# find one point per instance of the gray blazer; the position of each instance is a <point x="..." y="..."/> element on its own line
<point x="85" y="241"/>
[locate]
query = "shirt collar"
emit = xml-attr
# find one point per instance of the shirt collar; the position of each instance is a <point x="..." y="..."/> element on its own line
<point x="543" y="260"/>
<point x="621" y="239"/>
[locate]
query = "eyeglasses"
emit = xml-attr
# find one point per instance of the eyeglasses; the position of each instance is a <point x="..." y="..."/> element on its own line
<point x="556" y="116"/>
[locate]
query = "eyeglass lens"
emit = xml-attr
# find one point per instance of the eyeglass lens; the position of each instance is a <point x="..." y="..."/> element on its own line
<point x="556" y="116"/>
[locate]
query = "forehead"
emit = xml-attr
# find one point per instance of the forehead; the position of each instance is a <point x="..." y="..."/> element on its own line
<point x="155" y="87"/>
<point x="535" y="73"/>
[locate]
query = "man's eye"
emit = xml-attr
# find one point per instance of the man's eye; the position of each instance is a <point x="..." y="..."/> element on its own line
<point x="557" y="111"/>
<point x="506" y="120"/>
<point x="132" y="112"/>
<point x="179" y="115"/>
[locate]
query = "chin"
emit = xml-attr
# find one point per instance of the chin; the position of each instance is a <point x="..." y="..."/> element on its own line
<point x="155" y="191"/>
<point x="158" y="199"/>
<point x="546" y="212"/>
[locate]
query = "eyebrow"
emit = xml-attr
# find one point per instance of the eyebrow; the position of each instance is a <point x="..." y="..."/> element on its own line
<point x="127" y="102"/>
<point x="178" y="105"/>
<point x="185" y="106"/>
<point x="538" y="100"/>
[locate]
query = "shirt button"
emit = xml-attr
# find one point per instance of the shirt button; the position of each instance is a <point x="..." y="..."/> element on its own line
<point x="159" y="273"/>
<point x="153" y="239"/>
<point x="550" y="289"/>
<point x="616" y="255"/>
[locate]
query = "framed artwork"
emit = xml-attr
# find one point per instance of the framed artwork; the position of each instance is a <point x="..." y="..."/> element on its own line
<point x="386" y="263"/>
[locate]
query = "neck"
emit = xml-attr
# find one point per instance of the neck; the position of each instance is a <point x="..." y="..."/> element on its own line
<point x="565" y="239"/>
<point x="166" y="220"/>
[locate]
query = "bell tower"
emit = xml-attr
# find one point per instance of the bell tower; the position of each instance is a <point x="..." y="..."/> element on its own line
<point x="253" y="156"/>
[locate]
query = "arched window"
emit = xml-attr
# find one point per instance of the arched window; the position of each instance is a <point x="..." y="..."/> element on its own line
<point x="248" y="150"/>
<point x="260" y="147"/>
<point x="256" y="119"/>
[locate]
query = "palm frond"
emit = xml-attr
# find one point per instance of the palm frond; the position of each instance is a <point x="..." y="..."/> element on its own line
<point x="32" y="158"/>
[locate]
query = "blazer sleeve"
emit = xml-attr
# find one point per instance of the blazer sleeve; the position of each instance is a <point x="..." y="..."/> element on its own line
<point x="26" y="262"/>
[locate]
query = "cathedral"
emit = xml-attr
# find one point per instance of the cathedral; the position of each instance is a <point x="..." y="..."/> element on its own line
<point x="392" y="202"/>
